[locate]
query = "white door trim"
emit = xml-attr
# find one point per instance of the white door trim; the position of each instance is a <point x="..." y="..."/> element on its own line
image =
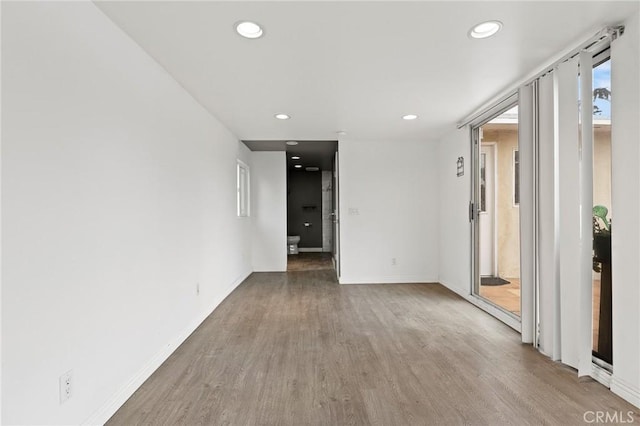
<point x="336" y="214"/>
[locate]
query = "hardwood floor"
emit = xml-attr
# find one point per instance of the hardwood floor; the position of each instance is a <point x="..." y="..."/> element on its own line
<point x="309" y="261"/>
<point x="507" y="296"/>
<point x="297" y="348"/>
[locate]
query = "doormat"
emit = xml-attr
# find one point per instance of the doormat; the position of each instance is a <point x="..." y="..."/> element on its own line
<point x="493" y="281"/>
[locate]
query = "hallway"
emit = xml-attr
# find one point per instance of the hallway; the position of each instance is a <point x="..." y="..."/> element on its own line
<point x="298" y="349"/>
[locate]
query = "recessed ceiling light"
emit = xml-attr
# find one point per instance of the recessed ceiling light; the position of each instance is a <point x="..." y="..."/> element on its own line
<point x="295" y="157"/>
<point x="282" y="116"/>
<point x="409" y="117"/>
<point x="312" y="169"/>
<point x="298" y="166"/>
<point x="485" y="29"/>
<point x="291" y="143"/>
<point x="249" y="29"/>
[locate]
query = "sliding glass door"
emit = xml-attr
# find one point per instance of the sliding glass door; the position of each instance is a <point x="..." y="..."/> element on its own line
<point x="496" y="213"/>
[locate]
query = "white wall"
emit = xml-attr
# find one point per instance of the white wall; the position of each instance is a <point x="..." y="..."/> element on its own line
<point x="388" y="209"/>
<point x="269" y="210"/>
<point x="118" y="198"/>
<point x="625" y="110"/>
<point x="453" y="212"/>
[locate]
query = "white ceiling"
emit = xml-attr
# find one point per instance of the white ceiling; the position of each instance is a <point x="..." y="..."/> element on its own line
<point x="354" y="66"/>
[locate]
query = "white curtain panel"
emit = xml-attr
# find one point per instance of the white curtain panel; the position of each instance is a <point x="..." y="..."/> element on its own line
<point x="567" y="134"/>
<point x="565" y="188"/>
<point x="527" y="202"/>
<point x="549" y="292"/>
<point x="585" y="290"/>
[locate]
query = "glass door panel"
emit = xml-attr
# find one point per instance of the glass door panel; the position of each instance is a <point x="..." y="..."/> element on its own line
<point x="602" y="214"/>
<point x="498" y="224"/>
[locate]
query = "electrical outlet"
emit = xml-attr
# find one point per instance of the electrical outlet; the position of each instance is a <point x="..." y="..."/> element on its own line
<point x="66" y="386"/>
<point x="394" y="262"/>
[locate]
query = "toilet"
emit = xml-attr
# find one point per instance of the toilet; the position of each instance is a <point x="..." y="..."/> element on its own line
<point x="292" y="244"/>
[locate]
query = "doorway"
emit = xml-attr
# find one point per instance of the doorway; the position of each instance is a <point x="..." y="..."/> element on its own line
<point x="496" y="201"/>
<point x="311" y="205"/>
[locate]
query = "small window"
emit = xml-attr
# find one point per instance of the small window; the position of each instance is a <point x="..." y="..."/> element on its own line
<point x="243" y="189"/>
<point x="516" y="177"/>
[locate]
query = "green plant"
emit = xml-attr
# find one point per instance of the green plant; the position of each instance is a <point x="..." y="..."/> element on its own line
<point x="601" y="212"/>
<point x="601" y="236"/>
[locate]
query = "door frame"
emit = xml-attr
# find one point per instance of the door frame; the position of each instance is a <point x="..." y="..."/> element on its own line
<point x="336" y="212"/>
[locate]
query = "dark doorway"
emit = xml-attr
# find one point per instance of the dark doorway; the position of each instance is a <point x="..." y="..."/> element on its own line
<point x="304" y="207"/>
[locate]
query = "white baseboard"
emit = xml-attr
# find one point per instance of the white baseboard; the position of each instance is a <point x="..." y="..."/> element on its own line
<point x="271" y="269"/>
<point x="104" y="413"/>
<point x="465" y="293"/>
<point x="399" y="279"/>
<point x="310" y="249"/>
<point x="625" y="390"/>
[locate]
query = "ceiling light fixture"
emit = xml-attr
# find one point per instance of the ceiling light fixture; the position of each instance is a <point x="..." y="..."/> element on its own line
<point x="298" y="166"/>
<point x="485" y="29"/>
<point x="282" y="116"/>
<point x="291" y="143"/>
<point x="295" y="157"/>
<point x="409" y="117"/>
<point x="248" y="29"/>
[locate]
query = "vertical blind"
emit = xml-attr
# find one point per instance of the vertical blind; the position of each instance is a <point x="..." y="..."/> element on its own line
<point x="569" y="208"/>
<point x="586" y="204"/>
<point x="548" y="220"/>
<point x="526" y="147"/>
<point x="559" y="128"/>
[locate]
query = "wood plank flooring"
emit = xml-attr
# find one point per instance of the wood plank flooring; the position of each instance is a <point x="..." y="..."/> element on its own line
<point x="297" y="348"/>
<point x="309" y="261"/>
<point x="508" y="297"/>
